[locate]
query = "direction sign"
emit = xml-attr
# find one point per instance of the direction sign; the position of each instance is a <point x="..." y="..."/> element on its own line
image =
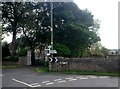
<point x="52" y="51"/>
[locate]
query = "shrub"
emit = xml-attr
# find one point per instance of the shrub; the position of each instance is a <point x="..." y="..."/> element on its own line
<point x="22" y="52"/>
<point x="62" y="50"/>
<point x="11" y="58"/>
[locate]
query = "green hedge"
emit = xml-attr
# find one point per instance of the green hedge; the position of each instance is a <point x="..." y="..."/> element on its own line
<point x="22" y="52"/>
<point x="11" y="58"/>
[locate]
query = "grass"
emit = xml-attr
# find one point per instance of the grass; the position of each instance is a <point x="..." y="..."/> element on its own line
<point x="41" y="70"/>
<point x="115" y="74"/>
<point x="45" y="69"/>
<point x="8" y="67"/>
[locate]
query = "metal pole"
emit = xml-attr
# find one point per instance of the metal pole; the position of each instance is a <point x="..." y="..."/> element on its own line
<point x="52" y="27"/>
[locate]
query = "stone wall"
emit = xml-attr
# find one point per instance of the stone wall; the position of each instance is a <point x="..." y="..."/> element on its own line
<point x="85" y="64"/>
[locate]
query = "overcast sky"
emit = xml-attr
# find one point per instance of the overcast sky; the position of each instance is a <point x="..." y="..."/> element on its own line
<point x="107" y="12"/>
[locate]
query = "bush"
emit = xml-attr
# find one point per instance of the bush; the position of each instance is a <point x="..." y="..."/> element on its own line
<point x="11" y="58"/>
<point x="62" y="50"/>
<point x="22" y="52"/>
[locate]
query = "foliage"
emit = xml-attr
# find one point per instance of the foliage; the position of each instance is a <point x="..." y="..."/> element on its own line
<point x="22" y="52"/>
<point x="98" y="50"/>
<point x="11" y="16"/>
<point x="75" y="29"/>
<point x="62" y="50"/>
<point x="105" y="51"/>
<point x="11" y="58"/>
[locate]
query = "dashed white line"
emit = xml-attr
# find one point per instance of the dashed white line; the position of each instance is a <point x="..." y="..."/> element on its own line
<point x="57" y="79"/>
<point x="69" y="78"/>
<point x="72" y="79"/>
<point x="83" y="78"/>
<point x="61" y="81"/>
<point x="37" y="85"/>
<point x="45" y="81"/>
<point x="33" y="84"/>
<point x="103" y="76"/>
<point x="49" y="83"/>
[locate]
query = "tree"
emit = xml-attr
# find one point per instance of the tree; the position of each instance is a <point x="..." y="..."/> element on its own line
<point x="11" y="15"/>
<point x="72" y="26"/>
<point x="36" y="26"/>
<point x="98" y="50"/>
<point x="75" y="28"/>
<point x="105" y="51"/>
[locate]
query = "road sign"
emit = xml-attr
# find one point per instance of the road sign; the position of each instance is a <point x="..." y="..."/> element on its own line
<point x="53" y="59"/>
<point x="50" y="59"/>
<point x="52" y="51"/>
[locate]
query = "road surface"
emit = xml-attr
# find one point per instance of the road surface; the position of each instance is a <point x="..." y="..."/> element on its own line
<point x="26" y="77"/>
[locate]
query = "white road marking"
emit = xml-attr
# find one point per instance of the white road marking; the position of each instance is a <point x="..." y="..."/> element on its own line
<point x="45" y="81"/>
<point x="83" y="78"/>
<point x="69" y="78"/>
<point x="36" y="86"/>
<point x="57" y="79"/>
<point x="61" y="81"/>
<point x="103" y="76"/>
<point x="49" y="83"/>
<point x="33" y="84"/>
<point x="72" y="79"/>
<point x="25" y="83"/>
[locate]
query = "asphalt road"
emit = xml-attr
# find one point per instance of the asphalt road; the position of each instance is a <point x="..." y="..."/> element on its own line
<point x="26" y="77"/>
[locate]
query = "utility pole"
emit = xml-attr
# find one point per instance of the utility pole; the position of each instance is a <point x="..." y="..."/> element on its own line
<point x="52" y="27"/>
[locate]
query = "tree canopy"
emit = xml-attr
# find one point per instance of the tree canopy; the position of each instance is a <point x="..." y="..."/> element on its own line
<point x="74" y="28"/>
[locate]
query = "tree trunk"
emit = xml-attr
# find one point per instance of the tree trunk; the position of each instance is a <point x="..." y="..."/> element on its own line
<point x="32" y="57"/>
<point x="14" y="42"/>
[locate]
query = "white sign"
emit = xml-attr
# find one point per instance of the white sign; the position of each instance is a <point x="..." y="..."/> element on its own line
<point x="56" y="60"/>
<point x="52" y="51"/>
<point x="50" y="59"/>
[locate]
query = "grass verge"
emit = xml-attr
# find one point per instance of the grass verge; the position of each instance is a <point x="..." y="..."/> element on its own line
<point x="114" y="74"/>
<point x="45" y="69"/>
<point x="41" y="70"/>
<point x="8" y="67"/>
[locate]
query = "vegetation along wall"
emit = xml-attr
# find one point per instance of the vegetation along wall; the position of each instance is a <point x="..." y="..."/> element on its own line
<point x="86" y="64"/>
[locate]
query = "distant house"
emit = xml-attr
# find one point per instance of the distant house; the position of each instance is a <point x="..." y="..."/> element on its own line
<point x="114" y="51"/>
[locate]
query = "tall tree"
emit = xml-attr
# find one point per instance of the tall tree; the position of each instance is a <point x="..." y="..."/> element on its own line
<point x="11" y="15"/>
<point x="74" y="27"/>
<point x="36" y="26"/>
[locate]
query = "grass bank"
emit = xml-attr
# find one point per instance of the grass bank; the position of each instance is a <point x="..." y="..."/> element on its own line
<point x="114" y="74"/>
<point x="8" y="67"/>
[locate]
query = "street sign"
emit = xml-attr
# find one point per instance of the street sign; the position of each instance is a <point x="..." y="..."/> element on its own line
<point x="56" y="60"/>
<point x="50" y="59"/>
<point x="52" y="51"/>
<point x="53" y="59"/>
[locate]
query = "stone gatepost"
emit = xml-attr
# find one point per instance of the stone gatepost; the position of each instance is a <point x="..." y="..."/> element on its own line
<point x="28" y="58"/>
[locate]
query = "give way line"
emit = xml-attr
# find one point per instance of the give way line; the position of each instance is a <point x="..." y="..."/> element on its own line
<point x="30" y="85"/>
